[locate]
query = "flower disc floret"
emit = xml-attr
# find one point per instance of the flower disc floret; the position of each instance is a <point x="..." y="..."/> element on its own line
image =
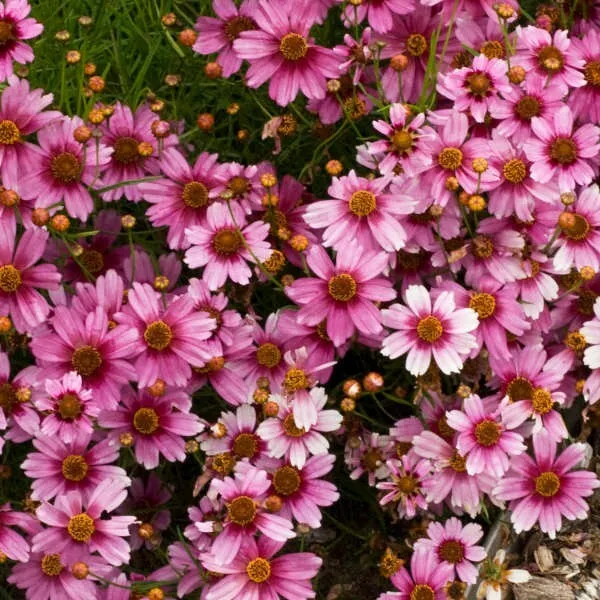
<point x="81" y="527"/>
<point x="547" y="484"/>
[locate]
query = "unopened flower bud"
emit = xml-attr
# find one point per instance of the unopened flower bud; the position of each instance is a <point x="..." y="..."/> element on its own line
<point x="9" y="198"/>
<point x="347" y="405"/>
<point x="62" y="36"/>
<point x="82" y="134"/>
<point x="271" y="409"/>
<point x="399" y="63"/>
<point x="567" y="220"/>
<point x="516" y="74"/>
<point x="128" y="222"/>
<point x="156" y="594"/>
<point x="268" y="180"/>
<point x="187" y="37"/>
<point x="157" y="105"/>
<point x="352" y="388"/>
<point x="96" y="83"/>
<point x="95" y="116"/>
<point x="73" y="56"/>
<point x="334" y="86"/>
<point x="579" y="386"/>
<point x="587" y="273"/>
<point x="126" y="439"/>
<point x="213" y="70"/>
<point x="260" y="396"/>
<point x="191" y="447"/>
<point x="205" y="121"/>
<point x="233" y="108"/>
<point x="299" y="242"/>
<point x="568" y="198"/>
<point x="451" y="184"/>
<point x="373" y="382"/>
<point x="145" y="149"/>
<point x="172" y="80"/>
<point x="169" y="19"/>
<point x="463" y="391"/>
<point x="60" y="223"/>
<point x="242" y="135"/>
<point x="480" y="165"/>
<point x="270" y="200"/>
<point x="158" y="388"/>
<point x="218" y="430"/>
<point x="160" y="129"/>
<point x="40" y="216"/>
<point x="5" y="324"/>
<point x="476" y="203"/>
<point x="79" y="570"/>
<point x="334" y="167"/>
<point x="504" y="11"/>
<point x="273" y="504"/>
<point x="23" y="394"/>
<point x="145" y="531"/>
<point x="161" y="283"/>
<point x="287" y="280"/>
<point x="436" y="210"/>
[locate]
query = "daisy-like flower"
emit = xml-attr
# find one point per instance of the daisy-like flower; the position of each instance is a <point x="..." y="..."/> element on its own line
<point x="476" y="88"/>
<point x="406" y="144"/>
<point x="85" y="345"/>
<point x="218" y="34"/>
<point x="68" y="408"/>
<point x="370" y="457"/>
<point x="591" y="333"/>
<point x="16" y="26"/>
<point x="254" y="573"/>
<point x="12" y="544"/>
<point x="549" y="56"/>
<point x="379" y="13"/>
<point x="124" y="133"/>
<point x="71" y="528"/>
<point x="585" y="100"/>
<point x="441" y="331"/>
<point x="224" y="245"/>
<point x="58" y="467"/>
<point x="405" y="486"/>
<point x="495" y="577"/>
<point x="63" y="170"/>
<point x="561" y="151"/>
<point x="157" y="425"/>
<point x="286" y="440"/>
<point x="243" y="495"/>
<point x="455" y="545"/>
<point x="425" y="580"/>
<point x="485" y="438"/>
<point x="579" y="242"/>
<point x="281" y="50"/>
<point x="168" y="340"/>
<point x="343" y="294"/>
<point x="181" y="198"/>
<point x="21" y="114"/>
<point x="361" y="209"/>
<point x="355" y="55"/>
<point x="547" y="489"/>
<point x="20" y="277"/>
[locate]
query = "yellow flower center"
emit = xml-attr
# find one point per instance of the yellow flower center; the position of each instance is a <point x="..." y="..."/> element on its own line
<point x="528" y="107"/>
<point x="406" y="484"/>
<point x="146" y="421"/>
<point x="74" y="467"/>
<point x="195" y="194"/>
<point x="514" y="171"/>
<point x="422" y="591"/>
<point x="86" y="360"/>
<point x="487" y="433"/>
<point x="242" y="511"/>
<point x="290" y="427"/>
<point x="550" y="59"/>
<point x="402" y="141"/>
<point x="126" y="150"/>
<point x="258" y="570"/>
<point x="293" y="47"/>
<point x="227" y="242"/>
<point x="450" y="158"/>
<point x="342" y="287"/>
<point x="362" y="203"/>
<point x="65" y="167"/>
<point x="430" y="329"/>
<point x="9" y="133"/>
<point x="286" y="481"/>
<point x="591" y="72"/>
<point x="235" y="26"/>
<point x="451" y="551"/>
<point x="479" y="84"/>
<point x="81" y="527"/>
<point x="223" y="463"/>
<point x="245" y="445"/>
<point x="577" y="228"/>
<point x="295" y="380"/>
<point x="416" y="44"/>
<point x="492" y="49"/>
<point x="575" y="341"/>
<point x="542" y="401"/>
<point x="158" y="335"/>
<point x="520" y="388"/>
<point x="10" y="279"/>
<point x="239" y="186"/>
<point x="51" y="565"/>
<point x="547" y="484"/>
<point x="563" y="150"/>
<point x="268" y="355"/>
<point x="458" y="462"/>
<point x="483" y="304"/>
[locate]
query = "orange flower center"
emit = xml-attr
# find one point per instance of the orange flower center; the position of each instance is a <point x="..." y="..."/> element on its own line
<point x="9" y="133"/>
<point x="146" y="421"/>
<point x="86" y="360"/>
<point x="74" y="467"/>
<point x="268" y="355"/>
<point x="227" y="242"/>
<point x="126" y="150"/>
<point x="158" y="335"/>
<point x="416" y="44"/>
<point x="65" y="167"/>
<point x="450" y="158"/>
<point x="514" y="171"/>
<point x="242" y="511"/>
<point x="451" y="551"/>
<point x="563" y="150"/>
<point x="487" y="433"/>
<point x="10" y="279"/>
<point x="293" y="47"/>
<point x="81" y="527"/>
<point x="362" y="203"/>
<point x="342" y="287"/>
<point x="547" y="484"/>
<point x="245" y="445"/>
<point x="430" y="329"/>
<point x="286" y="481"/>
<point x="195" y="194"/>
<point x="258" y="570"/>
<point x="520" y="388"/>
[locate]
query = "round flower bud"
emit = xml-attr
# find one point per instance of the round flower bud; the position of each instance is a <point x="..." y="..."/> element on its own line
<point x="347" y="405"/>
<point x="126" y="439"/>
<point x="287" y="280"/>
<point x="205" y="121"/>
<point x="273" y="503"/>
<point x="477" y="203"/>
<point x="579" y="386"/>
<point x="436" y="211"/>
<point x="95" y="116"/>
<point x="334" y="86"/>
<point x="516" y="74"/>
<point x="145" y="531"/>
<point x="567" y="220"/>
<point x="480" y="165"/>
<point x="158" y="388"/>
<point x="160" y="129"/>
<point x="172" y="80"/>
<point x="73" y="57"/>
<point x="157" y="105"/>
<point x="82" y="134"/>
<point x="213" y="70"/>
<point x="243" y="135"/>
<point x="334" y="167"/>
<point x="62" y="36"/>
<point x="161" y="283"/>
<point x="269" y="200"/>
<point x="451" y="184"/>
<point x="40" y="216"/>
<point x="80" y="570"/>
<point x="399" y="62"/>
<point x="260" y="396"/>
<point x="587" y="273"/>
<point x="107" y="110"/>
<point x="373" y="382"/>
<point x="568" y="198"/>
<point x="156" y="594"/>
<point x="145" y="149"/>
<point x="89" y="69"/>
<point x="85" y="20"/>
<point x="218" y="430"/>
<point x="169" y="19"/>
<point x="504" y="11"/>
<point x="9" y="198"/>
<point x="5" y="324"/>
<point x="352" y="388"/>
<point x="96" y="83"/>
<point x="233" y="108"/>
<point x="128" y="222"/>
<point x="268" y="180"/>
<point x="271" y="409"/>
<point x="299" y="242"/>
<point x="464" y="391"/>
<point x="187" y="37"/>
<point x="263" y="383"/>
<point x="23" y="394"/>
<point x="60" y="223"/>
<point x="191" y="447"/>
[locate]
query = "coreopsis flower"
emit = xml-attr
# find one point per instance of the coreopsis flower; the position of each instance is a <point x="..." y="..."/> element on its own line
<point x="254" y="573"/>
<point x="218" y="34"/>
<point x="168" y="341"/>
<point x="476" y="88"/>
<point x="243" y="495"/>
<point x="485" y="436"/>
<point x="157" y="424"/>
<point x="21" y="114"/>
<point x="579" y="242"/>
<point x="106" y="291"/>
<point x="224" y="245"/>
<point x="424" y="331"/>
<point x="585" y="100"/>
<point x="426" y="578"/>
<point x="355" y="54"/>
<point x="281" y="51"/>
<point x="455" y="545"/>
<point x="63" y="170"/>
<point x="591" y="333"/>
<point x="21" y="277"/>
<point x="379" y="13"/>
<point x="183" y="565"/>
<point x="16" y="26"/>
<point x="370" y="457"/>
<point x="550" y="56"/>
<point x="561" y="150"/>
<point x="495" y="577"/>
<point x="404" y="488"/>
<point x="85" y="344"/>
<point x="72" y="528"/>
<point x="343" y="294"/>
<point x="363" y="210"/>
<point x="12" y="544"/>
<point x="59" y="467"/>
<point x="181" y="198"/>
<point x="286" y="440"/>
<point x="547" y="489"/>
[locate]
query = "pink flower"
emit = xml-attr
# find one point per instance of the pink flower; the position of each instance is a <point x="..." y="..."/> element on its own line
<point x="63" y="169"/>
<point x="21" y="114"/>
<point x="484" y="436"/>
<point x="370" y="457"/>
<point x="343" y="293"/>
<point x="20" y="279"/>
<point x="546" y="489"/>
<point x="591" y="333"/>
<point x="157" y="424"/>
<point x="585" y="100"/>
<point x="254" y="573"/>
<point x="361" y="210"/>
<point x="218" y="35"/>
<point x="455" y="545"/>
<point x="286" y="440"/>
<point x="168" y="340"/>
<point x="243" y="496"/>
<point x="476" y="88"/>
<point x="85" y="345"/>
<point x="11" y="543"/>
<point x="441" y="331"/>
<point x="356" y="55"/>
<point x="15" y="27"/>
<point x="181" y="198"/>
<point x="379" y="13"/>
<point x="561" y="151"/>
<point x="280" y="50"/>
<point x="58" y="467"/>
<point x="224" y="245"/>
<point x="426" y="578"/>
